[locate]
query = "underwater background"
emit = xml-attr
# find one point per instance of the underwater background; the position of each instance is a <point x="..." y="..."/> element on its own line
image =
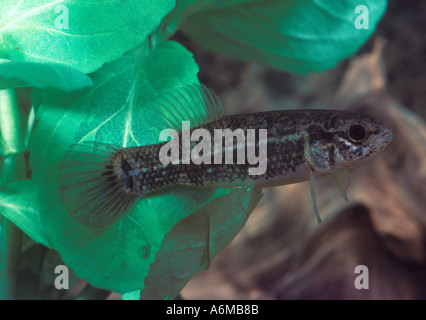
<point x="282" y="253"/>
<point x="91" y="80"/>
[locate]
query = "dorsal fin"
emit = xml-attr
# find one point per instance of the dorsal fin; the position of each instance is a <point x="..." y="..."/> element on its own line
<point x="195" y="103"/>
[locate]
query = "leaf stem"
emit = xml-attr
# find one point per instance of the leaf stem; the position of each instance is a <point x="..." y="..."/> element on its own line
<point x="10" y="121"/>
<point x="13" y="169"/>
<point x="166" y="29"/>
<point x="11" y="248"/>
<point x="29" y="128"/>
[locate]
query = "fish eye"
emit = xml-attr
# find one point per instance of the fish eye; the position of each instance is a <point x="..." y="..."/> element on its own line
<point x="357" y="132"/>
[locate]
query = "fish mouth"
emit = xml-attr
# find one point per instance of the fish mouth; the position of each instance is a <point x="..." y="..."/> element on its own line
<point x="384" y="139"/>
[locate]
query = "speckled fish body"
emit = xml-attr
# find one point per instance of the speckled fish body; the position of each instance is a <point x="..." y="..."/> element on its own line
<point x="99" y="183"/>
<point x="299" y="143"/>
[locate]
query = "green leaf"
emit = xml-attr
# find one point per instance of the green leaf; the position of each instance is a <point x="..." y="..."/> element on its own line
<point x="113" y="112"/>
<point x="134" y="295"/>
<point x="297" y="36"/>
<point x="185" y="8"/>
<point x="80" y="34"/>
<point x="195" y="240"/>
<point x="19" y="204"/>
<point x="43" y="76"/>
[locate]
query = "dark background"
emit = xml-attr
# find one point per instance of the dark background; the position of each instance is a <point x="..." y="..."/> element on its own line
<point x="282" y="253"/>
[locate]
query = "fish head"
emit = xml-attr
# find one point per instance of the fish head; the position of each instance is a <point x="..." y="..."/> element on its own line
<point x="345" y="139"/>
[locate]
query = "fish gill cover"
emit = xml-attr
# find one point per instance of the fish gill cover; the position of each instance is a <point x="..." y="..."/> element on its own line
<point x="92" y="80"/>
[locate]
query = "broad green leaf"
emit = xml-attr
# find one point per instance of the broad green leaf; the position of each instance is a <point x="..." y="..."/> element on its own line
<point x="185" y="8"/>
<point x="19" y="204"/>
<point x="195" y="240"/>
<point x="80" y="34"/>
<point x="298" y="36"/>
<point x="119" y="257"/>
<point x="43" y="76"/>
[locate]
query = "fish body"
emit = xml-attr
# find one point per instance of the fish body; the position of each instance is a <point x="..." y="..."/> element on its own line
<point x="298" y="145"/>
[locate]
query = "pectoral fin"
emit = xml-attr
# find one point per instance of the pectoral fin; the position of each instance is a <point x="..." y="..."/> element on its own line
<point x="342" y="180"/>
<point x="314" y="199"/>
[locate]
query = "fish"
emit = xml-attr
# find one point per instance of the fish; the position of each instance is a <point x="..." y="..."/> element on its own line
<point x="99" y="182"/>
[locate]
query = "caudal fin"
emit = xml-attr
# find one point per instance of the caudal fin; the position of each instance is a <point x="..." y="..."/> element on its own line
<point x="89" y="185"/>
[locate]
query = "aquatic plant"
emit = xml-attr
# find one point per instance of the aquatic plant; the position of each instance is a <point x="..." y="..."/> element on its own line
<point x="93" y="67"/>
